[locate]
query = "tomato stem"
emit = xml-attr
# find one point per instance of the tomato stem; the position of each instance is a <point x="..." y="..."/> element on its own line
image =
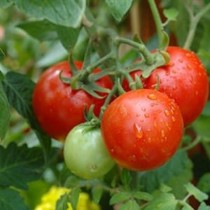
<point x="194" y="20"/>
<point x="159" y="24"/>
<point x="141" y="47"/>
<point x="193" y="144"/>
<point x="108" y="99"/>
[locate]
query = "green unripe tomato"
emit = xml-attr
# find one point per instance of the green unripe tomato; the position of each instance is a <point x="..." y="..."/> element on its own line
<point x="85" y="153"/>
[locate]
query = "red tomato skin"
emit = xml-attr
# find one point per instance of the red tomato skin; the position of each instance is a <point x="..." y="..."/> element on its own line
<point x="57" y="107"/>
<point x="185" y="80"/>
<point x="142" y="129"/>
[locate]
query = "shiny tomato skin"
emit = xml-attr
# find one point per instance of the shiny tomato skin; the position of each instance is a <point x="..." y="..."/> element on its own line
<point x="142" y="129"/>
<point x="85" y="153"/>
<point x="57" y="107"/>
<point x="184" y="79"/>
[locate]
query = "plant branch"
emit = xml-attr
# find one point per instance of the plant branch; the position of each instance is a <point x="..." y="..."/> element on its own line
<point x="158" y="23"/>
<point x="194" y="20"/>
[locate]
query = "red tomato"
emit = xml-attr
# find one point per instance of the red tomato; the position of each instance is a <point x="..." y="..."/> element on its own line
<point x="185" y="80"/>
<point x="142" y="129"/>
<point x="57" y="107"/>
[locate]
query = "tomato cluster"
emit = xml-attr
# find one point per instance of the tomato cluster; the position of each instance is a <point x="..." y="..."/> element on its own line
<point x="139" y="130"/>
<point x="57" y="106"/>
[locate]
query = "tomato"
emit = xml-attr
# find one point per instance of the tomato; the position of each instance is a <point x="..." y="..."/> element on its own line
<point x="142" y="129"/>
<point x="57" y="107"/>
<point x="185" y="80"/>
<point x="85" y="153"/>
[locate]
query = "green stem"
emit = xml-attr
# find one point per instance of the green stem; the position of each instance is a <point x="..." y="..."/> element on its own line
<point x="193" y="144"/>
<point x="108" y="99"/>
<point x="194" y="20"/>
<point x="83" y="74"/>
<point x="158" y="22"/>
<point x="149" y="58"/>
<point x="91" y="67"/>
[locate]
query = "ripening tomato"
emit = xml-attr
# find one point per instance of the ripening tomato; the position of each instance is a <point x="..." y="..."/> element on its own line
<point x="185" y="80"/>
<point x="57" y="106"/>
<point x="142" y="129"/>
<point x="85" y="153"/>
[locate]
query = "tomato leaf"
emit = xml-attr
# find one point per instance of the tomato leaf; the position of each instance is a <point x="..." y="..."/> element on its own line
<point x="203" y="183"/>
<point x="11" y="200"/>
<point x="19" y="89"/>
<point x="177" y="166"/>
<point x="74" y="197"/>
<point x="23" y="163"/>
<point x="162" y="201"/>
<point x="203" y="206"/>
<point x="68" y="36"/>
<point x="199" y="195"/>
<point x="142" y="196"/>
<point x="119" y="197"/>
<point x="201" y="126"/>
<point x="119" y="8"/>
<point x="131" y="204"/>
<point x="40" y="29"/>
<point x="62" y="12"/>
<point x="2" y="54"/>
<point x="5" y="3"/>
<point x="171" y="14"/>
<point x="186" y="206"/>
<point x="62" y="202"/>
<point x="4" y="113"/>
<point x="97" y="193"/>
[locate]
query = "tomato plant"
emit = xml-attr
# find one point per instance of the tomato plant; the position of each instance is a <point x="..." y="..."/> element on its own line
<point x="142" y="129"/>
<point x="184" y="79"/>
<point x="123" y="85"/>
<point x="85" y="153"/>
<point x="57" y="106"/>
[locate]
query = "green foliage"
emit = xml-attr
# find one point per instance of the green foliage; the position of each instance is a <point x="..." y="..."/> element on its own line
<point x="19" y="165"/>
<point x="162" y="201"/>
<point x="62" y="202"/>
<point x="119" y="8"/>
<point x="66" y="13"/>
<point x="19" y="89"/>
<point x="200" y="196"/>
<point x="44" y="30"/>
<point x="5" y="3"/>
<point x="10" y="200"/>
<point x="4" y="113"/>
<point x="149" y="181"/>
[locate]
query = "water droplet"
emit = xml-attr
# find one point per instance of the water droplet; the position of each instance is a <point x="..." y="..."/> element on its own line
<point x="171" y="63"/>
<point x="163" y="133"/>
<point x="138" y="131"/>
<point x="167" y="113"/>
<point x="133" y="158"/>
<point x="180" y="60"/>
<point x="143" y="109"/>
<point x="153" y="104"/>
<point x="155" y="124"/>
<point x="146" y="115"/>
<point x="152" y="96"/>
<point x="174" y="71"/>
<point x="173" y="119"/>
<point x="196" y="92"/>
<point x="112" y="150"/>
<point x="149" y="140"/>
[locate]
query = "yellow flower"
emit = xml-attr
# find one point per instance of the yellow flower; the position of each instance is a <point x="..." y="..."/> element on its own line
<point x="48" y="201"/>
